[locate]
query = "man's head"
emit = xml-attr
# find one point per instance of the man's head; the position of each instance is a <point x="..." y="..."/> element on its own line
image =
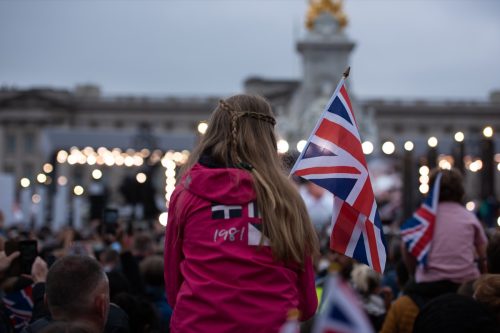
<point x="77" y="288"/>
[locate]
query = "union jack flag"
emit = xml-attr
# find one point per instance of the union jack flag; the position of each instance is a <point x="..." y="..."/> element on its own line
<point x="333" y="159"/>
<point x="19" y="305"/>
<point x="341" y="311"/>
<point x="417" y="231"/>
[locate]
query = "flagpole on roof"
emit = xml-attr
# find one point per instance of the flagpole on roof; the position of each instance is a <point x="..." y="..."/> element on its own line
<point x="341" y="82"/>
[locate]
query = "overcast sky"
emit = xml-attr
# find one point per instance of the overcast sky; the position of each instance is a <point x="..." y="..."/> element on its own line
<point x="405" y="48"/>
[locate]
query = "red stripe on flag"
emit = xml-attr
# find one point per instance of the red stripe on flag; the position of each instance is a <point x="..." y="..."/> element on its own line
<point x="342" y="230"/>
<point x="372" y="242"/>
<point x="424" y="213"/>
<point x="338" y="135"/>
<point x="327" y="170"/>
<point x="413" y="230"/>
<point x="364" y="201"/>
<point x="424" y="240"/>
<point x="344" y="94"/>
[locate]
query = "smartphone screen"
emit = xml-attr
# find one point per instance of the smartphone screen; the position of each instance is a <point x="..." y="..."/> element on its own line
<point x="110" y="220"/>
<point x="28" y="252"/>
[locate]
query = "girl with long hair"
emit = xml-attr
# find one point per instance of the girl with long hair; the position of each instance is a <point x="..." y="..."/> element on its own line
<point x="239" y="242"/>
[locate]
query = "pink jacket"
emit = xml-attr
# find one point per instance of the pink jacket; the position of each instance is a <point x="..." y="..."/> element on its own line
<point x="217" y="278"/>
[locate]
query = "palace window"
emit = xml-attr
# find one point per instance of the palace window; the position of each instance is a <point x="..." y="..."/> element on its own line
<point x="29" y="143"/>
<point x="10" y="143"/>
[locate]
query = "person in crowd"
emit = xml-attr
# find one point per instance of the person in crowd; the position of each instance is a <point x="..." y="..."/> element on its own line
<point x="319" y="204"/>
<point x="493" y="254"/>
<point x="143" y="246"/>
<point x="142" y="315"/>
<point x="455" y="313"/>
<point x="77" y="291"/>
<point x="487" y="292"/>
<point x="457" y="255"/>
<point x="152" y="275"/>
<point x="458" y="237"/>
<point x="367" y="283"/>
<point x="239" y="242"/>
<point x="67" y="327"/>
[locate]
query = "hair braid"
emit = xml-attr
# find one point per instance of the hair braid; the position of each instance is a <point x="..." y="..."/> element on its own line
<point x="260" y="116"/>
<point x="234" y="135"/>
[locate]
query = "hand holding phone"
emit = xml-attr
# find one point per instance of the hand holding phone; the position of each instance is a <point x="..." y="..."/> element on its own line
<point x="6" y="260"/>
<point x="27" y="250"/>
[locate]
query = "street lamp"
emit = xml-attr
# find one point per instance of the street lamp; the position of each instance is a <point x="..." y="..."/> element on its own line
<point x="78" y="190"/>
<point x="432" y="152"/>
<point x="367" y="147"/>
<point x="25" y="182"/>
<point x="163" y="219"/>
<point x="459" y="151"/>
<point x="459" y="137"/>
<point x="282" y="146"/>
<point x="488" y="170"/>
<point x="47" y="168"/>
<point x="388" y="148"/>
<point x="141" y="177"/>
<point x="96" y="174"/>
<point x="488" y="132"/>
<point x="408" y="179"/>
<point x="409" y="146"/>
<point x="301" y="145"/>
<point x="202" y="127"/>
<point x="41" y="178"/>
<point x="432" y="142"/>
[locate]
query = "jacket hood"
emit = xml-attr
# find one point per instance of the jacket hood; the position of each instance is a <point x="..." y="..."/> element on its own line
<point x="229" y="186"/>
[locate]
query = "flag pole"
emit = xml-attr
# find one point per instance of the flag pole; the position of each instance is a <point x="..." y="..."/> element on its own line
<point x="346" y="72"/>
<point x="339" y="85"/>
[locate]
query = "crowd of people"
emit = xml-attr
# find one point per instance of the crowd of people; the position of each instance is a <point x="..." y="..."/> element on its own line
<point x="244" y="245"/>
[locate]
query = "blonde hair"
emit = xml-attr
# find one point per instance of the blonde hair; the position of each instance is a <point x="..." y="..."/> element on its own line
<point x="487" y="291"/>
<point x="241" y="134"/>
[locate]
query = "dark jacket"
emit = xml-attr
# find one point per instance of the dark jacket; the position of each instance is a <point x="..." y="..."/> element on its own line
<point x="117" y="322"/>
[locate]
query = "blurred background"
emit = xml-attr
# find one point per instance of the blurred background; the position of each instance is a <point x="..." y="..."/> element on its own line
<point x="102" y="101"/>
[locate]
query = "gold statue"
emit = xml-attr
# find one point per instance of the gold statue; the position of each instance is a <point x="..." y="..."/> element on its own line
<point x="333" y="7"/>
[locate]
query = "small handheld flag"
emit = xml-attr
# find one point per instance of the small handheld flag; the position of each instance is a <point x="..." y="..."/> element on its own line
<point x="418" y="230"/>
<point x="341" y="311"/>
<point x="333" y="159"/>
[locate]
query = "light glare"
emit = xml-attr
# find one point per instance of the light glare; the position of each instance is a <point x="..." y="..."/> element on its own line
<point x="47" y="168"/>
<point x="163" y="219"/>
<point x="488" y="131"/>
<point x="301" y="145"/>
<point x="388" y="147"/>
<point x="432" y="142"/>
<point x="408" y="146"/>
<point x="459" y="136"/>
<point x="282" y="146"/>
<point x="96" y="174"/>
<point x="202" y="127"/>
<point x="78" y="190"/>
<point x="141" y="177"/>
<point x="470" y="206"/>
<point x="367" y="147"/>
<point x="25" y="182"/>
